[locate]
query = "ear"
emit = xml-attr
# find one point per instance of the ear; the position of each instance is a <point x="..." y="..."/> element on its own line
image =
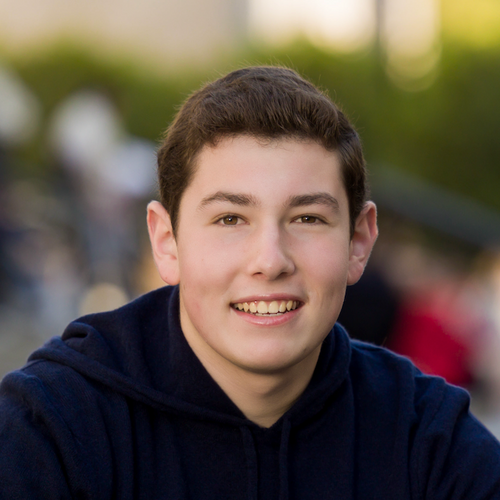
<point x="163" y="243"/>
<point x="362" y="241"/>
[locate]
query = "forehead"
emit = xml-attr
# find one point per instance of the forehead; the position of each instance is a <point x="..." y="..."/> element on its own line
<point x="245" y="162"/>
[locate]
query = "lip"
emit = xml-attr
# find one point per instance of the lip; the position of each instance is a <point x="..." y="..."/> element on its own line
<point x="267" y="320"/>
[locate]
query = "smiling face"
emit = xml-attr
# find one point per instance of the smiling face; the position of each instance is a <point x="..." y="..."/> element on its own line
<point x="263" y="253"/>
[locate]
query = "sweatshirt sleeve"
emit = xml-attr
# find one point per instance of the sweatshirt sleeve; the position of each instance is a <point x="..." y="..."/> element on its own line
<point x="39" y="456"/>
<point x="456" y="457"/>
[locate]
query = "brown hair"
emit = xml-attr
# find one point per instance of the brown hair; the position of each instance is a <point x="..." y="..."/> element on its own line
<point x="264" y="102"/>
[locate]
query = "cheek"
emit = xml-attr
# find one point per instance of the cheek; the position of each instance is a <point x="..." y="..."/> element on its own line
<point x="327" y="276"/>
<point x="205" y="268"/>
<point x="327" y="264"/>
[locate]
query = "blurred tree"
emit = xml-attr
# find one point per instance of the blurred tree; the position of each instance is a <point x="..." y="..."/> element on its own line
<point x="446" y="133"/>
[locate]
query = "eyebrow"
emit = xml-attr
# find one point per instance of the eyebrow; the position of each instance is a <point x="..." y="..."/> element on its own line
<point x="246" y="200"/>
<point x="314" y="199"/>
<point x="235" y="199"/>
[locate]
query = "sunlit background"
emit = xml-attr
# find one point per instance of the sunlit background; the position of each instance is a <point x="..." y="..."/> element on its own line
<point x="87" y="88"/>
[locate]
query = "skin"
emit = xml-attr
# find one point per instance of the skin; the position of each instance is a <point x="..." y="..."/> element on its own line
<point x="262" y="222"/>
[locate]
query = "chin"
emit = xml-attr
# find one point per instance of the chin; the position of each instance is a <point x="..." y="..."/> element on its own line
<point x="269" y="364"/>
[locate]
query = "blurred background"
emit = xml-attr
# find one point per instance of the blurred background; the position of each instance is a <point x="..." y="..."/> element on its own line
<point x="87" y="88"/>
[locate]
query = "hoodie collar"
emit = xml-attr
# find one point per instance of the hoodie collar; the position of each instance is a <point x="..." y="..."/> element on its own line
<point x="140" y="350"/>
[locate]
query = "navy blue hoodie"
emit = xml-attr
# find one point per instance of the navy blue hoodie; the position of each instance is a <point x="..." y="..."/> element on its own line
<point x="121" y="408"/>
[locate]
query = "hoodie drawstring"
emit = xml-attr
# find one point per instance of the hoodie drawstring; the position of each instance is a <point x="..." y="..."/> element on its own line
<point x="252" y="466"/>
<point x="285" y="438"/>
<point x="251" y="457"/>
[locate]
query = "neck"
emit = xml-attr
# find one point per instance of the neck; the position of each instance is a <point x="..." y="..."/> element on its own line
<point x="262" y="397"/>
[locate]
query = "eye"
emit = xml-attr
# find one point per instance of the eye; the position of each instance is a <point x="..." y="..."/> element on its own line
<point x="308" y="219"/>
<point x="229" y="220"/>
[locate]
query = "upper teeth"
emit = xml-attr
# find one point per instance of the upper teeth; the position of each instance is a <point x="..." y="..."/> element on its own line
<point x="262" y="307"/>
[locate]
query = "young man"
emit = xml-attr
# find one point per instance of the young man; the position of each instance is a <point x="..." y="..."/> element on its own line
<point x="235" y="382"/>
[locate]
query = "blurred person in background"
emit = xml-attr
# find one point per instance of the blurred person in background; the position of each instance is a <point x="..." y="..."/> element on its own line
<point x="22" y="203"/>
<point x="236" y="381"/>
<point x="108" y="174"/>
<point x="370" y="307"/>
<point x="19" y="117"/>
<point x="38" y="257"/>
<point x="438" y="326"/>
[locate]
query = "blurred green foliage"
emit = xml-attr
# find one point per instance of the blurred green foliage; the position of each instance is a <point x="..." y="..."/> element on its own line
<point x="446" y="133"/>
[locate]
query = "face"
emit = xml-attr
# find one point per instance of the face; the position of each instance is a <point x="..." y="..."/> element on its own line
<point x="263" y="253"/>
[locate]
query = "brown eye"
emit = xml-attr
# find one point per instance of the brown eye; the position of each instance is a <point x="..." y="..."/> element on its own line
<point x="230" y="220"/>
<point x="308" y="219"/>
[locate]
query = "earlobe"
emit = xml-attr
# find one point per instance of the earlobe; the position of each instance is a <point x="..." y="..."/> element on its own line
<point x="163" y="243"/>
<point x="363" y="239"/>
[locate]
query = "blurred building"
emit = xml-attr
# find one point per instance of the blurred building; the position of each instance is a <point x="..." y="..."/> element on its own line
<point x="407" y="32"/>
<point x="195" y="29"/>
<point x="161" y="30"/>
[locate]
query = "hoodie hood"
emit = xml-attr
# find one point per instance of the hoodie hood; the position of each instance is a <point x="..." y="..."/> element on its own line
<point x="140" y="352"/>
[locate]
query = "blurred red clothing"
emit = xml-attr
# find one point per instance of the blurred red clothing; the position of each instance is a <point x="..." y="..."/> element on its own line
<point x="439" y="333"/>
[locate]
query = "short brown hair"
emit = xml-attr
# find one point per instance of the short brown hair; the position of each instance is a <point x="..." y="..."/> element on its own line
<point x="263" y="102"/>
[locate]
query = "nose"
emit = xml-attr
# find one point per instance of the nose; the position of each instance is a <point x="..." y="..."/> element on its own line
<point x="270" y="254"/>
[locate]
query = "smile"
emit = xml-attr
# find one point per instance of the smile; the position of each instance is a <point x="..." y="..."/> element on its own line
<point x="261" y="308"/>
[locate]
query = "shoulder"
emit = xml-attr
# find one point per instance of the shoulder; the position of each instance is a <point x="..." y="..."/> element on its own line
<point x="386" y="372"/>
<point x="47" y="413"/>
<point x="450" y="452"/>
<point x="51" y="397"/>
<point x="390" y="385"/>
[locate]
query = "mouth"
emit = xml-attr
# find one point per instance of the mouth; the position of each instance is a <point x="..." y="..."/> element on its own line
<point x="267" y="308"/>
